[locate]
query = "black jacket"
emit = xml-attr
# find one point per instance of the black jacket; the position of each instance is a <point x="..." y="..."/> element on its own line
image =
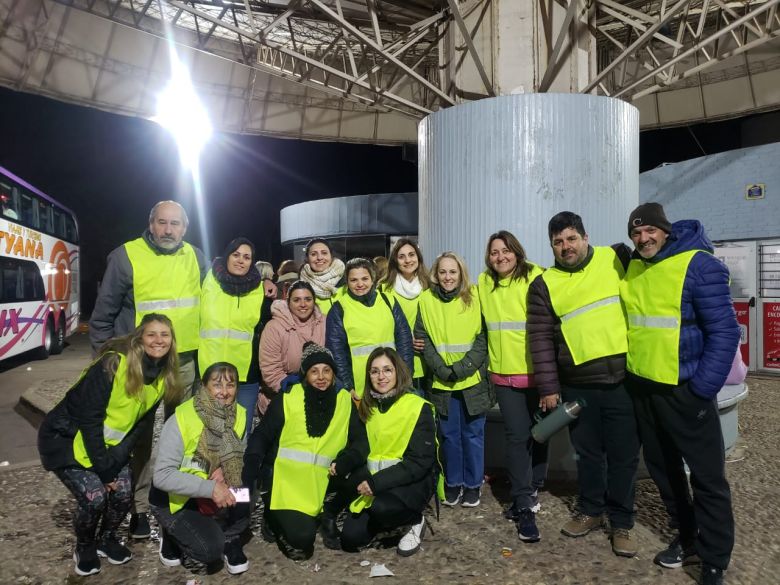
<point x="84" y="409"/>
<point x="336" y="336"/>
<point x="264" y="443"/>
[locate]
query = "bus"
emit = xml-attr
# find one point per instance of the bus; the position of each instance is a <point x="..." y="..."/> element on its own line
<point x="39" y="270"/>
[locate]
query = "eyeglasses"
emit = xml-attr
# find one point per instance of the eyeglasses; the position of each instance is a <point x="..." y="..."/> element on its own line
<point x="387" y="371"/>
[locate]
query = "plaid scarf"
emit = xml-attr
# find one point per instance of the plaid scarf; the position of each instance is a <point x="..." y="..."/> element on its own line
<point x="219" y="446"/>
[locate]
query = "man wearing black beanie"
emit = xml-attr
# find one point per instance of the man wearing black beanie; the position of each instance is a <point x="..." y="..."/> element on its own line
<point x="682" y="336"/>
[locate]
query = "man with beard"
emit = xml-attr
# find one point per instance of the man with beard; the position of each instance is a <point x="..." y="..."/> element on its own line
<point x="577" y="334"/>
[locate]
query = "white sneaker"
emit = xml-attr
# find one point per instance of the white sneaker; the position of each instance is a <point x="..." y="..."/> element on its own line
<point x="411" y="541"/>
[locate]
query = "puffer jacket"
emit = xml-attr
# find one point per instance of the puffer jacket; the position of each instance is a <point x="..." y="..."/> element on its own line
<point x="709" y="333"/>
<point x="336" y="336"/>
<point x="281" y="343"/>
<point x="553" y="362"/>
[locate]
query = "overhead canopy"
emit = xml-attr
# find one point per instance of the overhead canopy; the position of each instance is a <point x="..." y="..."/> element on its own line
<point x="369" y="70"/>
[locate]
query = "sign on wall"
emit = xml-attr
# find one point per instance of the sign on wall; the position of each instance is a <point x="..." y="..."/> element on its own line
<point x="772" y="336"/>
<point x="755" y="191"/>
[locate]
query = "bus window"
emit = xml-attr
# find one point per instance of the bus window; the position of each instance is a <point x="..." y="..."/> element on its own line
<point x="20" y="281"/>
<point x="46" y="216"/>
<point x="70" y="230"/>
<point x="59" y="224"/>
<point x="29" y="209"/>
<point x="7" y="200"/>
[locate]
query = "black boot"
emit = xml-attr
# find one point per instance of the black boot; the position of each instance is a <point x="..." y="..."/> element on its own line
<point x="329" y="530"/>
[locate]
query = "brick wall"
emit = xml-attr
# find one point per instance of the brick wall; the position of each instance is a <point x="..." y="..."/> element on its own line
<point x="712" y="190"/>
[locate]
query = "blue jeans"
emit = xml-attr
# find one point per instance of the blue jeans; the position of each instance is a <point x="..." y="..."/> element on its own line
<point x="463" y="444"/>
<point x="247" y="397"/>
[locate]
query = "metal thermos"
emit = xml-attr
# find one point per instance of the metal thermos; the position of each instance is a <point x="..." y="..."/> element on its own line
<point x="547" y="426"/>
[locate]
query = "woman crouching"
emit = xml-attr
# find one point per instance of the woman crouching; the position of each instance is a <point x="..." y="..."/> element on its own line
<point x="313" y="438"/>
<point x="400" y="475"/>
<point x="200" y="458"/>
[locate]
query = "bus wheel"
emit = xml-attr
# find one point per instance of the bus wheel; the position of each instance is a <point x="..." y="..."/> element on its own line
<point x="48" y="341"/>
<point x="58" y="342"/>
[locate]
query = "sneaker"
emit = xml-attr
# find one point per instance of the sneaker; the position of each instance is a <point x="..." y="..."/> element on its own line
<point x="581" y="524"/>
<point x="470" y="497"/>
<point x="676" y="555"/>
<point x="451" y="495"/>
<point x="329" y="531"/>
<point x="623" y="545"/>
<point x="411" y="541"/>
<point x="711" y="575"/>
<point x="87" y="561"/>
<point x="526" y="526"/>
<point x="110" y="548"/>
<point x="170" y="554"/>
<point x="513" y="512"/>
<point x="139" y="526"/>
<point x="235" y="560"/>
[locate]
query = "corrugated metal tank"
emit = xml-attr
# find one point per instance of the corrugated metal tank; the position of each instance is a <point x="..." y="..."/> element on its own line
<point x="513" y="162"/>
<point x="376" y="213"/>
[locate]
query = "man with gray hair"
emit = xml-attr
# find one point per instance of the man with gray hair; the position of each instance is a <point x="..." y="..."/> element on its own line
<point x="155" y="273"/>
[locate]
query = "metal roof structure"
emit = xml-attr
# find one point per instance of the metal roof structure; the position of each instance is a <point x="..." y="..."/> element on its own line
<point x="369" y="70"/>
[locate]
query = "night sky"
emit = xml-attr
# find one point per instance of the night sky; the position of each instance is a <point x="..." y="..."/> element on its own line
<point x="110" y="170"/>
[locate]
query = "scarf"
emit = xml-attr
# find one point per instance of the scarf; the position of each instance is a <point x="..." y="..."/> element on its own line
<point x="318" y="408"/>
<point x="408" y="290"/>
<point x="445" y="296"/>
<point x="219" y="446"/>
<point x="235" y="286"/>
<point x="147" y="236"/>
<point x="324" y="283"/>
<point x="386" y="400"/>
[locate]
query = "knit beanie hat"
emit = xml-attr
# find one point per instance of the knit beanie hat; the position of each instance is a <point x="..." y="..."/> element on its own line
<point x="315" y="354"/>
<point x="649" y="214"/>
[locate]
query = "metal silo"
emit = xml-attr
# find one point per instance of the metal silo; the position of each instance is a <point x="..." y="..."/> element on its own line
<point x="512" y="162"/>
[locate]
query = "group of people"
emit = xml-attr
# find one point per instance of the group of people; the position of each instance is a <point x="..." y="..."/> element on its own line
<point x="373" y="393"/>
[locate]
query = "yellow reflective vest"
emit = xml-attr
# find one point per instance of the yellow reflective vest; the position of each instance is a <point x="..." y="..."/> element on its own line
<point x="389" y="434"/>
<point x="367" y="328"/>
<point x="167" y="284"/>
<point x="326" y="304"/>
<point x="227" y="326"/>
<point x="452" y="328"/>
<point x="302" y="462"/>
<point x="652" y="295"/>
<point x="191" y="427"/>
<point x="409" y="307"/>
<point x="122" y="412"/>
<point x="505" y="312"/>
<point x="588" y="304"/>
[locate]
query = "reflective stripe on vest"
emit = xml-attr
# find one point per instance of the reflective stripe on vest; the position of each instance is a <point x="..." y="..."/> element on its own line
<point x="122" y="411"/>
<point x="505" y="313"/>
<point x="158" y="306"/>
<point x="587" y="301"/>
<point x="367" y="328"/>
<point x="506" y="326"/>
<point x="167" y="284"/>
<point x="389" y="434"/>
<point x="225" y="334"/>
<point x="652" y="295"/>
<point x="409" y="308"/>
<point x="191" y="427"/>
<point x="300" y="477"/>
<point x="305" y="457"/>
<point x="227" y="326"/>
<point x="452" y="328"/>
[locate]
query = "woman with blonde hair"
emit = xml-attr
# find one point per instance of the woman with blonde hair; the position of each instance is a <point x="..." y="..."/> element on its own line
<point x="87" y="439"/>
<point x="450" y="325"/>
<point x="503" y="292"/>
<point x="405" y="280"/>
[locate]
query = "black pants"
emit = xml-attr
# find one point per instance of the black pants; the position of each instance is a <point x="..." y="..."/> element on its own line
<point x="606" y="440"/>
<point x="675" y="424"/>
<point x="203" y="537"/>
<point x="387" y="511"/>
<point x="526" y="460"/>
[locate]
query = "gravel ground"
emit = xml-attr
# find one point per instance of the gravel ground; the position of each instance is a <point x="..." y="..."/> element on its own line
<point x="36" y="543"/>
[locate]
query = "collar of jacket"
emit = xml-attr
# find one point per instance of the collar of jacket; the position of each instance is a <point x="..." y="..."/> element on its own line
<point x="580" y="266"/>
<point x="367" y="299"/>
